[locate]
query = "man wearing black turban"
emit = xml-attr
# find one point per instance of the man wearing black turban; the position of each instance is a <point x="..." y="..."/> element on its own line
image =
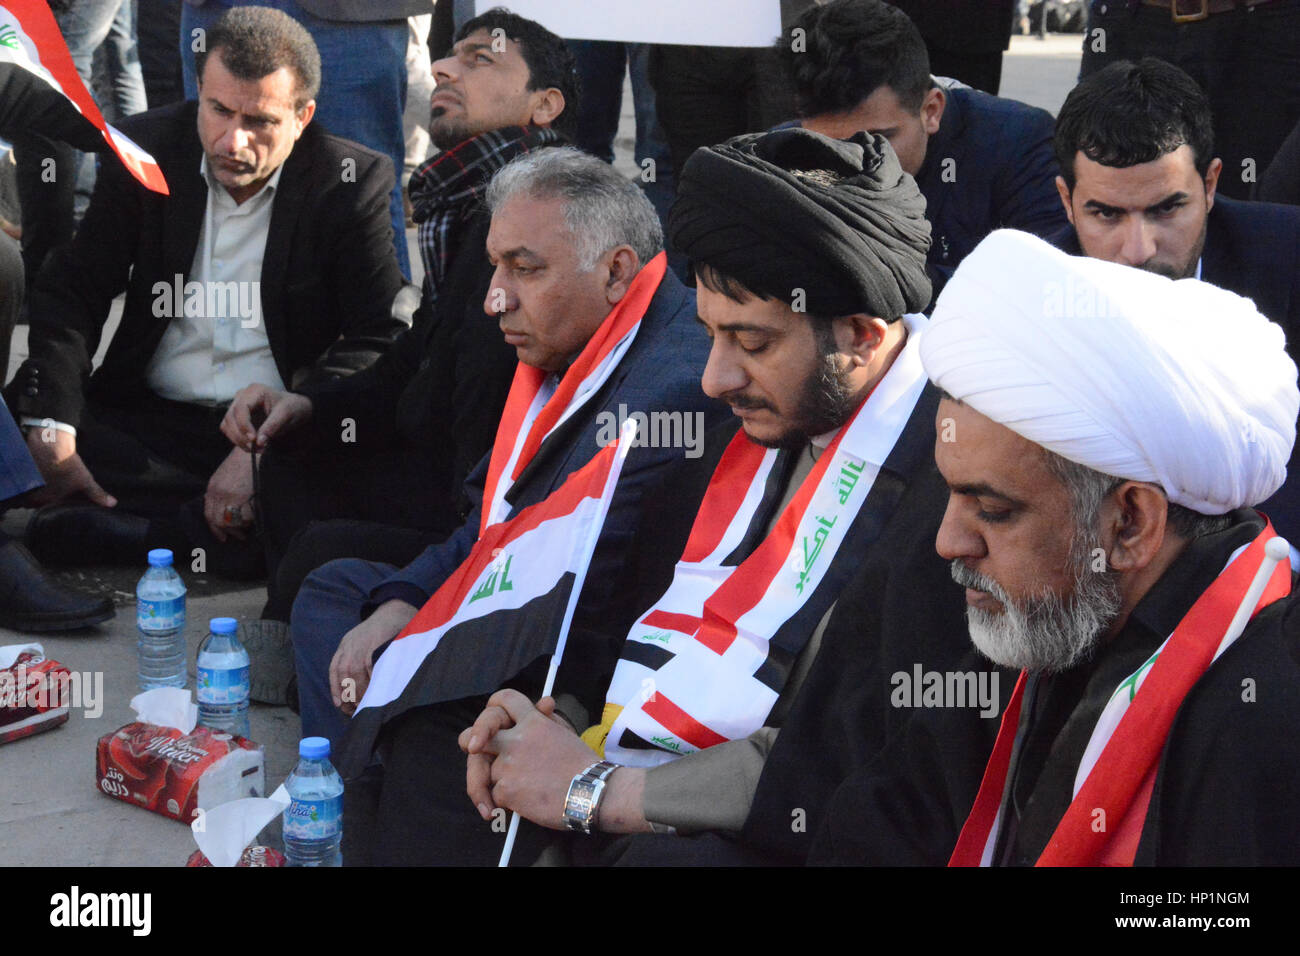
<point x="762" y="661"/>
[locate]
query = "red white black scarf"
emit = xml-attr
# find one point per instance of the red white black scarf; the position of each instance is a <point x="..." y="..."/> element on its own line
<point x="531" y="414"/>
<point x="695" y="669"/>
<point x="1118" y="769"/>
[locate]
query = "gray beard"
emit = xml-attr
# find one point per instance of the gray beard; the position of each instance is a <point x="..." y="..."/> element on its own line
<point x="1048" y="633"/>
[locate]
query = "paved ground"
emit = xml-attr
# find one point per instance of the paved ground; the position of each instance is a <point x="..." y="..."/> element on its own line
<point x="50" y="811"/>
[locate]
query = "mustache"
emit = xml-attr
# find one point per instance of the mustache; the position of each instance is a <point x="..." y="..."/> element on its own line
<point x="969" y="578"/>
<point x="741" y="400"/>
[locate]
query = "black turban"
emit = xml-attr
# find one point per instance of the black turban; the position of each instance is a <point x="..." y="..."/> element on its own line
<point x="760" y="209"/>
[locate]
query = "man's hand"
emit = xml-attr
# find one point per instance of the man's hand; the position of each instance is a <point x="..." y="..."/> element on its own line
<point x="65" y="474"/>
<point x="522" y="758"/>
<point x="282" y="411"/>
<point x="351" y="666"/>
<point x="226" y="504"/>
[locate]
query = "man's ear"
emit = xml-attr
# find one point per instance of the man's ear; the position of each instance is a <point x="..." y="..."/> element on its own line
<point x="1137" y="513"/>
<point x="859" y="335"/>
<point x="932" y="107"/>
<point x="304" y="116"/>
<point x="1063" y="191"/>
<point x="1212" y="181"/>
<point x="624" y="264"/>
<point x="548" y="104"/>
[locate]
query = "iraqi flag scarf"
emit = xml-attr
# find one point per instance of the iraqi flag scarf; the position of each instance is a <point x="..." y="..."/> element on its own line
<point x="530" y="415"/>
<point x="708" y="661"/>
<point x="1118" y="770"/>
<point x="35" y="63"/>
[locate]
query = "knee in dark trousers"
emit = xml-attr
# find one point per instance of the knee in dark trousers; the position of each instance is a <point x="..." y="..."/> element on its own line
<point x="421" y="814"/>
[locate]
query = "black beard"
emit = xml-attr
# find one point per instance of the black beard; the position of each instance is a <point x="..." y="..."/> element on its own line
<point x="827" y="402"/>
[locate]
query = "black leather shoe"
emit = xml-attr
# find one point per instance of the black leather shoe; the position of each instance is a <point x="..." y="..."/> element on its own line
<point x="31" y="601"/>
<point x="77" y="535"/>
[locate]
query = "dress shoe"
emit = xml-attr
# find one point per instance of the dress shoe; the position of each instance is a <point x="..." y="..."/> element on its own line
<point x="30" y="601"/>
<point x="77" y="535"/>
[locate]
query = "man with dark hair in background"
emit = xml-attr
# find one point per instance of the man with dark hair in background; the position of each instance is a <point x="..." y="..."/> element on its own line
<point x="981" y="162"/>
<point x="1138" y="180"/>
<point x="425" y="413"/>
<point x="269" y="261"/>
<point x="1245" y="55"/>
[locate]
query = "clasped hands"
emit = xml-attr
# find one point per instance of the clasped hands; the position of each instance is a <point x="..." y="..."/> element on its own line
<point x="521" y="757"/>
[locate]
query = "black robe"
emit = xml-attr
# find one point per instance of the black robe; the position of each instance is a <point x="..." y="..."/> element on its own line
<point x="1227" y="790"/>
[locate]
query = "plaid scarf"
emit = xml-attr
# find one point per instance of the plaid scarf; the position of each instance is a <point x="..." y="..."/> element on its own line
<point x="447" y="189"/>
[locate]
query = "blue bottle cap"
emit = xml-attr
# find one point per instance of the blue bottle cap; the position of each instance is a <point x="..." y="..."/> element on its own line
<point x="314" y="748"/>
<point x="160" y="558"/>
<point x="223" y="625"/>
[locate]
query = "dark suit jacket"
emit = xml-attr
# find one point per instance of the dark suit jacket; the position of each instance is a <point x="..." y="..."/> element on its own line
<point x="989" y="166"/>
<point x="660" y="372"/>
<point x="1253" y="249"/>
<point x="436" y="395"/>
<point x="329" y="273"/>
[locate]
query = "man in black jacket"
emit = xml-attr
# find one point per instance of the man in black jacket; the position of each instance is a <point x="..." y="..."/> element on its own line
<point x="269" y="261"/>
<point x="1138" y="181"/>
<point x="982" y="162"/>
<point x="387" y="451"/>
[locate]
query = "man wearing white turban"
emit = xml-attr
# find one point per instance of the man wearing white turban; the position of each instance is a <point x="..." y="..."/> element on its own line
<point x="1104" y="434"/>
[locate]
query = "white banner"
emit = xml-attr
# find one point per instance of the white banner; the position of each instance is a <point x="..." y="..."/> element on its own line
<point x="752" y="23"/>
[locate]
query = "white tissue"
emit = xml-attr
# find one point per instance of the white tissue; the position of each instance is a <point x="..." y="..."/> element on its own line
<point x="167" y="707"/>
<point x="224" y="832"/>
<point x="9" y="653"/>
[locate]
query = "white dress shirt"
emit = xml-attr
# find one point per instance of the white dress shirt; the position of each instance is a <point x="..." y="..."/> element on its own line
<point x="216" y="342"/>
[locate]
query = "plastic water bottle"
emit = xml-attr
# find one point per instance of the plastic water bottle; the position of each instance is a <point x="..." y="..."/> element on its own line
<point x="222" y="673"/>
<point x="313" y="820"/>
<point x="160" y="618"/>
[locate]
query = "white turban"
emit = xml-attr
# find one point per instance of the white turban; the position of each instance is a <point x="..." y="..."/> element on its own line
<point x="1132" y="374"/>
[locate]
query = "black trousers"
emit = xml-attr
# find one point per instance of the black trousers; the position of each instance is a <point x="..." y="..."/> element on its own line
<point x="1246" y="60"/>
<point x="704" y="95"/>
<point x="156" y="458"/>
<point x="414" y="811"/>
<point x="317" y="506"/>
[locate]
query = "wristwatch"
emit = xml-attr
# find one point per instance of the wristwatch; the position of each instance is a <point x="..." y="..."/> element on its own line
<point x="583" y="800"/>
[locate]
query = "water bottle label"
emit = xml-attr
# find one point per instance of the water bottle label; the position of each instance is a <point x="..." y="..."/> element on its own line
<point x="314" y="819"/>
<point x="160" y="615"/>
<point x="225" y="685"/>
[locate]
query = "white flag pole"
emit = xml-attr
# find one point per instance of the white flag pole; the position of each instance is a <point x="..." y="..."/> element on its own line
<point x="1276" y="550"/>
<point x="625" y="440"/>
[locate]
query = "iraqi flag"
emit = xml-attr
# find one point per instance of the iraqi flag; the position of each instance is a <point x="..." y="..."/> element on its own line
<point x="38" y="78"/>
<point x="507" y="605"/>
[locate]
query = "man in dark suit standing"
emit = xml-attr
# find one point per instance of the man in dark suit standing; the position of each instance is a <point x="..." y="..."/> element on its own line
<point x="1138" y="177"/>
<point x="270" y="261"/>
